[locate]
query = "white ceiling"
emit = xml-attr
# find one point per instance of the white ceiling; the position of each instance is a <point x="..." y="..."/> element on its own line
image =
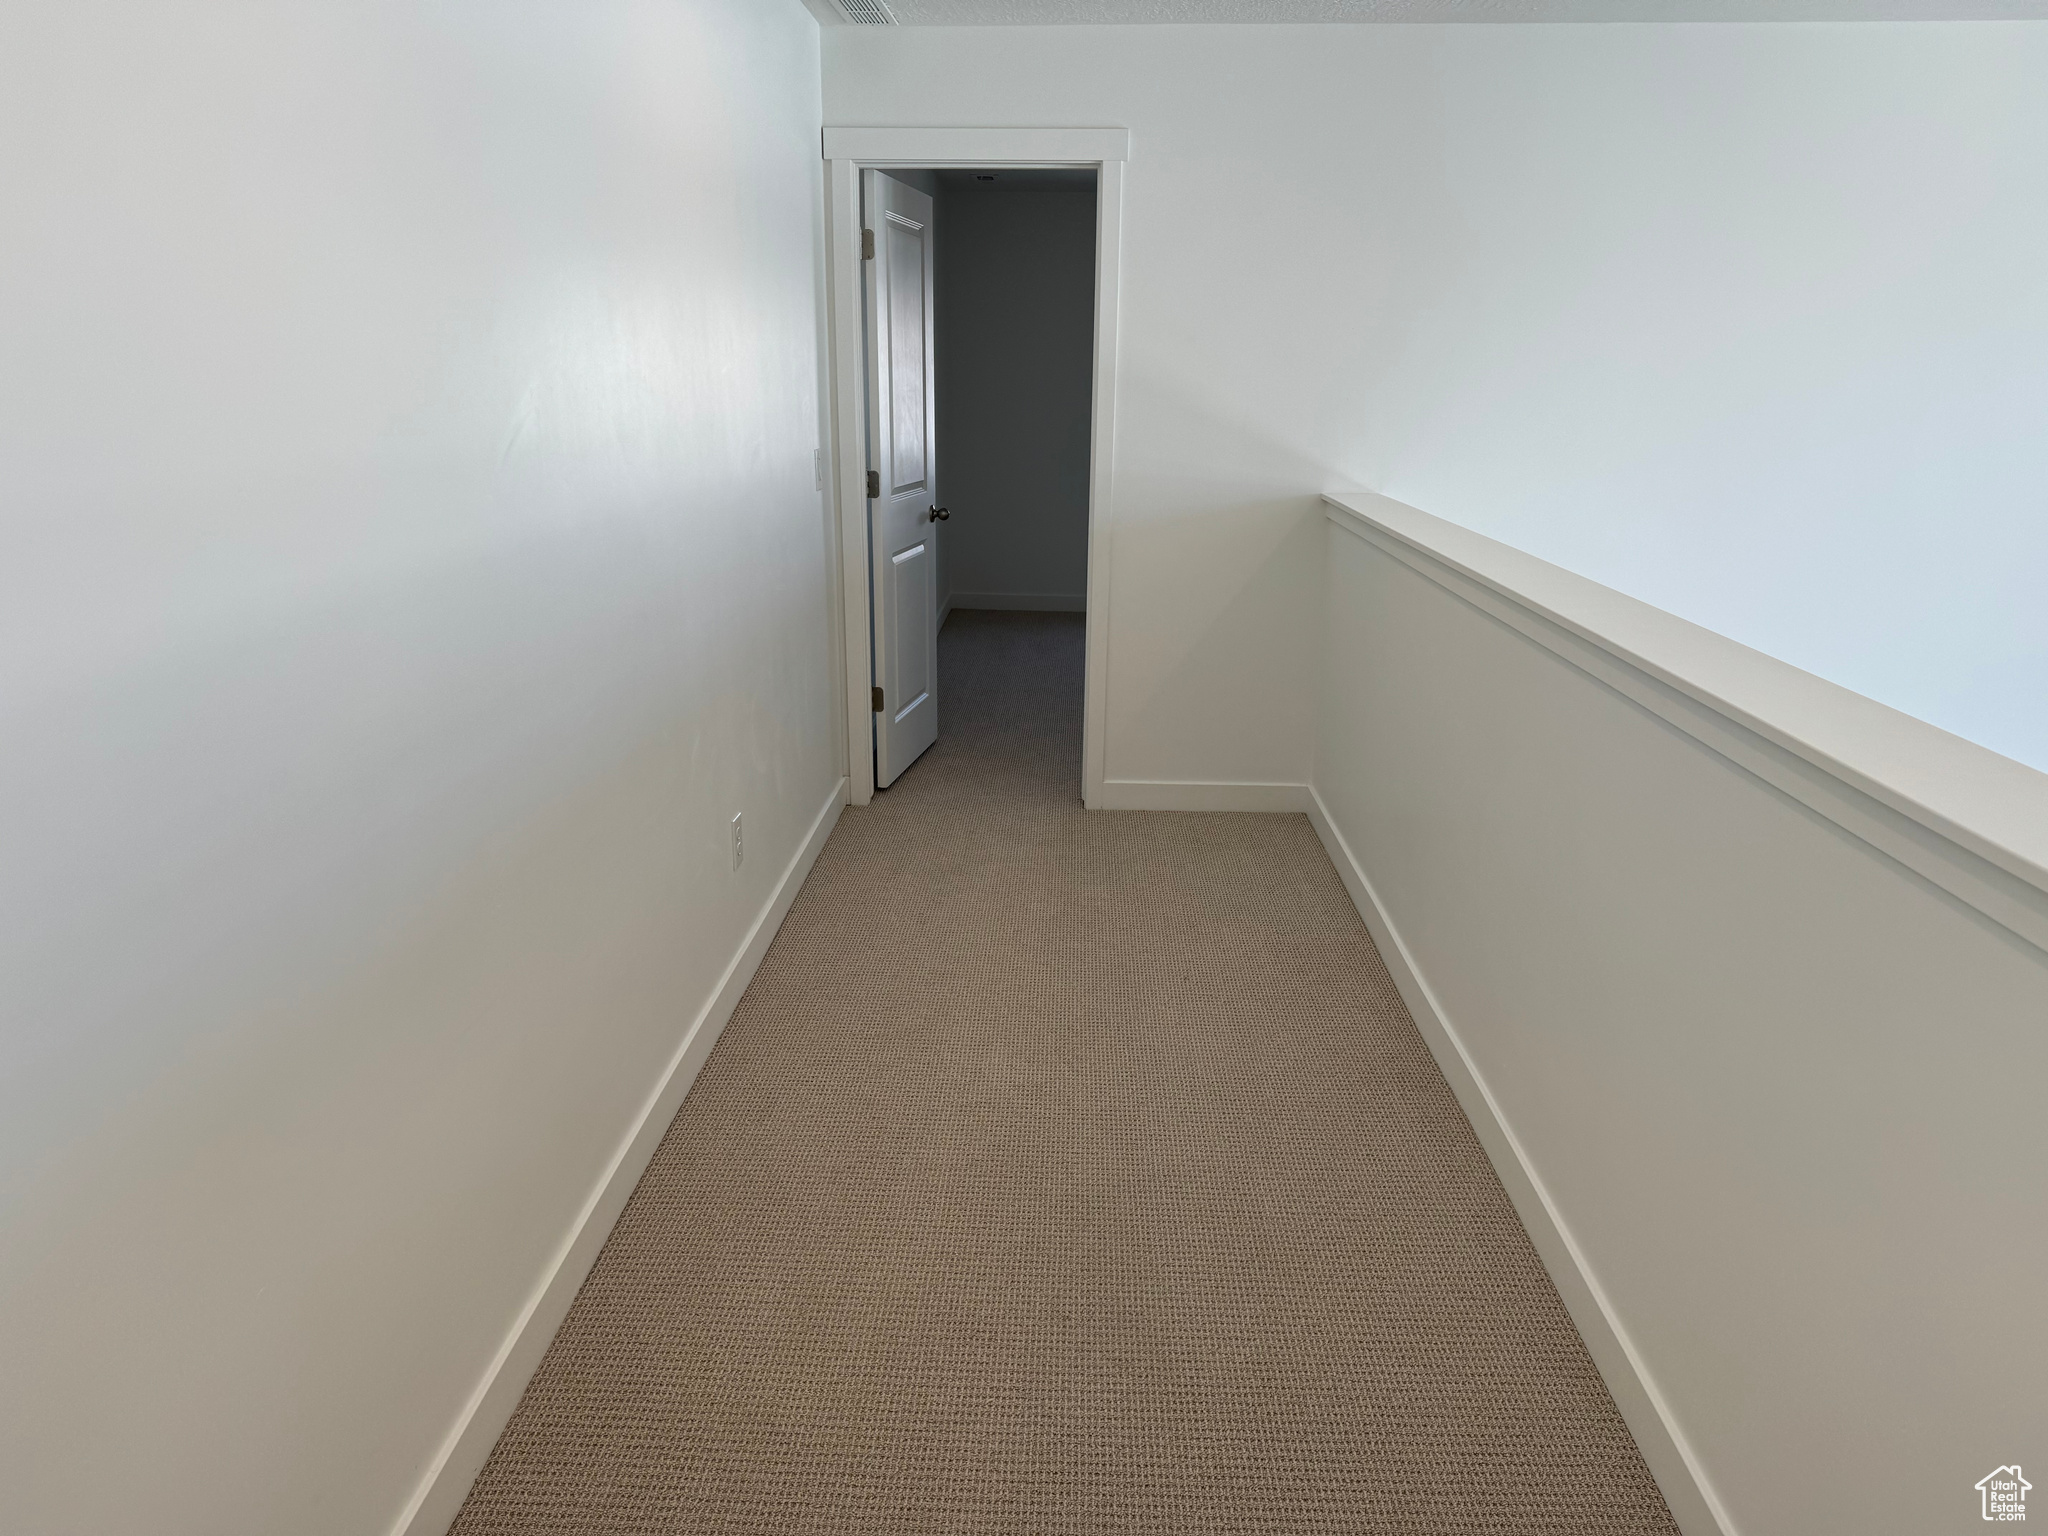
<point x="954" y="13"/>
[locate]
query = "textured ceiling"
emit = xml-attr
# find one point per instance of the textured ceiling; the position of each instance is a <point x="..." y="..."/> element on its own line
<point x="941" y="13"/>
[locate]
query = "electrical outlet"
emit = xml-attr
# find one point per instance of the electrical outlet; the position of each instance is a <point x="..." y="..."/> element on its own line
<point x="739" y="846"/>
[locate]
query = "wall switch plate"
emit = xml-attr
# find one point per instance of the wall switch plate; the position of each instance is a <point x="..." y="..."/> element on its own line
<point x="739" y="847"/>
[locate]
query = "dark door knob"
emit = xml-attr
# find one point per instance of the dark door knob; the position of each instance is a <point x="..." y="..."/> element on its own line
<point x="940" y="514"/>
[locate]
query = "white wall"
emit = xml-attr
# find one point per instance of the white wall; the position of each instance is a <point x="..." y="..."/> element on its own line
<point x="1783" y="1093"/>
<point x="412" y="560"/>
<point x="1016" y="353"/>
<point x="1743" y="320"/>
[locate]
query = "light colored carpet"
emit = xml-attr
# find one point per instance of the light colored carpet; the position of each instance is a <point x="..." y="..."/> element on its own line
<point x="1065" y="1172"/>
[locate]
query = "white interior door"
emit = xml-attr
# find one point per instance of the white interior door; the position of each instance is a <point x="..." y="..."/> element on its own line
<point x="903" y="510"/>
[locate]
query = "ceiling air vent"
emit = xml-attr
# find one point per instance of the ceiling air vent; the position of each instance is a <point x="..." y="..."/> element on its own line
<point x="868" y="13"/>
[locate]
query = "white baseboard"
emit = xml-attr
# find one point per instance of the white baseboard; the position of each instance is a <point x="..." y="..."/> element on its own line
<point x="1670" y="1458"/>
<point x="1027" y="602"/>
<point x="1189" y="795"/>
<point x="439" y="1497"/>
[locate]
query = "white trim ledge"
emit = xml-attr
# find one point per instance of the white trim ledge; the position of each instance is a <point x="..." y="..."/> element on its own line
<point x="1194" y="795"/>
<point x="438" y="1499"/>
<point x="1680" y="1477"/>
<point x="1959" y="815"/>
<point x="977" y="146"/>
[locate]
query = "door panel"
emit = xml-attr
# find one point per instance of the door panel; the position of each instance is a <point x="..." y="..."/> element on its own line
<point x="910" y="673"/>
<point x="907" y="381"/>
<point x="902" y="537"/>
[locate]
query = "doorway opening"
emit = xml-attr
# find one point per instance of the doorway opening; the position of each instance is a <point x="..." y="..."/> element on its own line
<point x="973" y="372"/>
<point x="979" y="323"/>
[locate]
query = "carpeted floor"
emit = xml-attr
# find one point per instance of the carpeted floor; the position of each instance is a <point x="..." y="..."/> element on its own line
<point x="1065" y="1172"/>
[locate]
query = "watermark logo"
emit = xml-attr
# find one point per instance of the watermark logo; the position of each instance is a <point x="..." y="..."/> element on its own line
<point x="2005" y="1495"/>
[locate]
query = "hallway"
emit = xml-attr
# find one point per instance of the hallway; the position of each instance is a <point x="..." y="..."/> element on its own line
<point x="1065" y="1172"/>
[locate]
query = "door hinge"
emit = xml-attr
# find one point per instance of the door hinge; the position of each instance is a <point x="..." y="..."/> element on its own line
<point x="867" y="245"/>
<point x="874" y="483"/>
<point x="878" y="701"/>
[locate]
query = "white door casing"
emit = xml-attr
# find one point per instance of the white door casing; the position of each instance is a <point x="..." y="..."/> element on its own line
<point x="848" y="153"/>
<point x="902" y="525"/>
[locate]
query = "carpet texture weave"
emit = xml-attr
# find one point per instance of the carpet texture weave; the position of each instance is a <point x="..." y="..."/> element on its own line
<point x="1065" y="1172"/>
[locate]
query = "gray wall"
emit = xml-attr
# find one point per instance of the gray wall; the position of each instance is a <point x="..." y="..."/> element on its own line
<point x="926" y="182"/>
<point x="1016" y="319"/>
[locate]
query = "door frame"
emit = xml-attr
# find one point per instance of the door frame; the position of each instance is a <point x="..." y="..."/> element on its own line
<point x="848" y="152"/>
